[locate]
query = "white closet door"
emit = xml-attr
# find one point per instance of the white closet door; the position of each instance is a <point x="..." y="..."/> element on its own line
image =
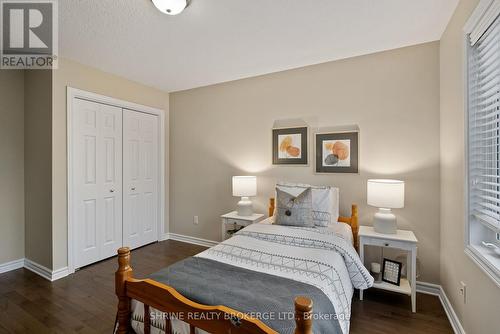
<point x="97" y="170"/>
<point x="140" y="178"/>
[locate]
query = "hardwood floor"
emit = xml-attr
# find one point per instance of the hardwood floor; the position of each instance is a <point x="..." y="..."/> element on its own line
<point x="85" y="301"/>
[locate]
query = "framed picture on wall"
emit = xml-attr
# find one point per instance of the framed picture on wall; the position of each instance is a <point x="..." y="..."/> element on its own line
<point x="336" y="152"/>
<point x="290" y="146"/>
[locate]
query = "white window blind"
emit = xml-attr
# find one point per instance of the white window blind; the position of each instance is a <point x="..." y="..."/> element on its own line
<point x="490" y="13"/>
<point x="484" y="128"/>
<point x="484" y="142"/>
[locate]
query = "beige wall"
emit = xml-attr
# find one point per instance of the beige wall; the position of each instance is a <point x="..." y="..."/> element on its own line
<point x="11" y="165"/>
<point x="83" y="77"/>
<point x="224" y="130"/>
<point x="480" y="313"/>
<point x="38" y="166"/>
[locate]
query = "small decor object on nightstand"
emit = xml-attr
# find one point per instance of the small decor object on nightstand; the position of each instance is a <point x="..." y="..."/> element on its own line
<point x="375" y="271"/>
<point x="244" y="187"/>
<point x="391" y="272"/>
<point x="385" y="195"/>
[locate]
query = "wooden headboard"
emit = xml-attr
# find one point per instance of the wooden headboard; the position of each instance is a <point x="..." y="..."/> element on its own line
<point x="351" y="221"/>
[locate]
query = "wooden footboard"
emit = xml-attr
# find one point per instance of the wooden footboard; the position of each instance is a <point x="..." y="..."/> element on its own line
<point x="213" y="319"/>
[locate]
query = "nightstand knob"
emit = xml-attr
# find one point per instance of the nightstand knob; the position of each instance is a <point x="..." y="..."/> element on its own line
<point x="386" y="244"/>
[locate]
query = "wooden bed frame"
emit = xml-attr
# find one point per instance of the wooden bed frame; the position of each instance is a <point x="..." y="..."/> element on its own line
<point x="213" y="319"/>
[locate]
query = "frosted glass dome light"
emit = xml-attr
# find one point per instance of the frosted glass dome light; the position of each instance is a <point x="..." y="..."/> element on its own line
<point x="170" y="7"/>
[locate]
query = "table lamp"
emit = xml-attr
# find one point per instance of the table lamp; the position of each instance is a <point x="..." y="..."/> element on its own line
<point x="244" y="187"/>
<point x="385" y="195"/>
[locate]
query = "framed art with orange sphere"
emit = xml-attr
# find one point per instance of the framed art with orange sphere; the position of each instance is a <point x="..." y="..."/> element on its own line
<point x="290" y="146"/>
<point x="336" y="152"/>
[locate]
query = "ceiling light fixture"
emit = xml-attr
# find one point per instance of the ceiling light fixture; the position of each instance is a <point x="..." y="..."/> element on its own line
<point x="170" y="7"/>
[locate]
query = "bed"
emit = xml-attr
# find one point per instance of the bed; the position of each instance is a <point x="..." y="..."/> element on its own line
<point x="262" y="280"/>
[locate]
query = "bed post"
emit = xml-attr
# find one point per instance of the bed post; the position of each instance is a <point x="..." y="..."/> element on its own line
<point x="355" y="225"/>
<point x="123" y="273"/>
<point x="303" y="315"/>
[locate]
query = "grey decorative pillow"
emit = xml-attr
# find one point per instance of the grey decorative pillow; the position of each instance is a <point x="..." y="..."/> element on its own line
<point x="294" y="210"/>
<point x="325" y="201"/>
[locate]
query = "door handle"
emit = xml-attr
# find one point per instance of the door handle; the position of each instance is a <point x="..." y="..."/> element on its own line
<point x="111" y="190"/>
<point x="133" y="188"/>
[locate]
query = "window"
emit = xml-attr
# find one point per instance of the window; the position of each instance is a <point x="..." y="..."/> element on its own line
<point x="483" y="138"/>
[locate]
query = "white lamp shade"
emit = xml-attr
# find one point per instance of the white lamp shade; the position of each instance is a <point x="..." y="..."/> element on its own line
<point x="244" y="186"/>
<point x="383" y="193"/>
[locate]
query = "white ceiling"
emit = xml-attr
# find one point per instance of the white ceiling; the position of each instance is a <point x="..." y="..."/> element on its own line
<point x="214" y="41"/>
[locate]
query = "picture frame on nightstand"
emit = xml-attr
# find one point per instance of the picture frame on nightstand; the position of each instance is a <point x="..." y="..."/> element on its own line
<point x="391" y="272"/>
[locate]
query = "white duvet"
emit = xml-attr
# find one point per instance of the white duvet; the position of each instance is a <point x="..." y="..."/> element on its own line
<point x="321" y="256"/>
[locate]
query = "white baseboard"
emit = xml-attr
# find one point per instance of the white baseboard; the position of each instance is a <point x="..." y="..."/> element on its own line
<point x="60" y="273"/>
<point x="450" y="312"/>
<point x="437" y="290"/>
<point x="45" y="272"/>
<point x="189" y="239"/>
<point x="38" y="269"/>
<point x="11" y="265"/>
<point x="429" y="288"/>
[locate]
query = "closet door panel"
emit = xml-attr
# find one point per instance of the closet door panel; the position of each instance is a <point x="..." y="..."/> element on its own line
<point x="131" y="180"/>
<point x="111" y="157"/>
<point x="140" y="178"/>
<point x="97" y="181"/>
<point x="150" y="162"/>
<point x="86" y="182"/>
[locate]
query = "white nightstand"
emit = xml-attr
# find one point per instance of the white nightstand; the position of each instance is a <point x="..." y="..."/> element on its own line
<point x="404" y="240"/>
<point x="231" y="221"/>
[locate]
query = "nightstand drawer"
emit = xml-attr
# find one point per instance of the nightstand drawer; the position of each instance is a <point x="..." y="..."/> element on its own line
<point x="231" y="221"/>
<point x="387" y="243"/>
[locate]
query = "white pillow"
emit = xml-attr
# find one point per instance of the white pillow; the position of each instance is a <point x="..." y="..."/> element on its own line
<point x="325" y="201"/>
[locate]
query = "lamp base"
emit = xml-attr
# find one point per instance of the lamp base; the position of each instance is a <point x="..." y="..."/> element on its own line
<point x="245" y="207"/>
<point x="384" y="221"/>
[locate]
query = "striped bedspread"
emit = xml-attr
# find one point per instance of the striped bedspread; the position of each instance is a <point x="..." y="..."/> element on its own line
<point x="315" y="256"/>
